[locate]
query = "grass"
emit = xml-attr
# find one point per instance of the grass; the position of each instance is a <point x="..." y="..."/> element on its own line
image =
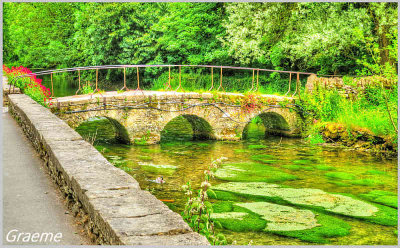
<point x="232" y="81"/>
<point x="368" y="110"/>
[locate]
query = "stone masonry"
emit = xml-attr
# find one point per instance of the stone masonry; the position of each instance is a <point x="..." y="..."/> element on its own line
<point x="106" y="200"/>
<point x="148" y="112"/>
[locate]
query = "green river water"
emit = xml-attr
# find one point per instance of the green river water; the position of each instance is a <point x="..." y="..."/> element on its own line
<point x="331" y="169"/>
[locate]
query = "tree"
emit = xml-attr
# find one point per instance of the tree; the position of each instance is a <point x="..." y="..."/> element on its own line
<point x="319" y="37"/>
<point x="37" y="34"/>
<point x="189" y="34"/>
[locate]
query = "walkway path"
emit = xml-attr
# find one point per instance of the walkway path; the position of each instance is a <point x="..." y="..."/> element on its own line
<point x="31" y="202"/>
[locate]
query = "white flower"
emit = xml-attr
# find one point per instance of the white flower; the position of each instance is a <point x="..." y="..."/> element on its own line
<point x="205" y="184"/>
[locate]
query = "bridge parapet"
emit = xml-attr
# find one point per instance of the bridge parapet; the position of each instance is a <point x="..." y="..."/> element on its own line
<point x="146" y="113"/>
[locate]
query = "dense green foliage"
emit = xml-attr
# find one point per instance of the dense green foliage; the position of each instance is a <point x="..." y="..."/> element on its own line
<point x="318" y="37"/>
<point x="375" y="109"/>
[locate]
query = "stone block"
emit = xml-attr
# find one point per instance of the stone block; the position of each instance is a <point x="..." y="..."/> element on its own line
<point x="167" y="223"/>
<point x="125" y="203"/>
<point x="186" y="239"/>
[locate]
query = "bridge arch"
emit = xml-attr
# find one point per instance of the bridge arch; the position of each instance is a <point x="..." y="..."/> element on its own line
<point x="187" y="127"/>
<point x="276" y="122"/>
<point x="105" y="128"/>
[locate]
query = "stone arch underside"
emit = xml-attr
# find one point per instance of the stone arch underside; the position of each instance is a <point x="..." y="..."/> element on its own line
<point x="274" y="124"/>
<point x="120" y="133"/>
<point x="187" y="127"/>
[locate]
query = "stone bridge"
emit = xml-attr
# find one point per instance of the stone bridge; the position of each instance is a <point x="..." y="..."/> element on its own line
<point x="147" y="114"/>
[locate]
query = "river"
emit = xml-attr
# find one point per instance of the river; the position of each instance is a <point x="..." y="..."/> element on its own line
<point x="328" y="168"/>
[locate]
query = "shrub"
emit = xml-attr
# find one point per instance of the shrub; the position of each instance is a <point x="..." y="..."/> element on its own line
<point x="30" y="85"/>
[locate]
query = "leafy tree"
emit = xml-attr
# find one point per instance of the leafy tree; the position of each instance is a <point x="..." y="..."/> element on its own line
<point x="116" y="33"/>
<point x="37" y="34"/>
<point x="189" y="34"/>
<point x="320" y="37"/>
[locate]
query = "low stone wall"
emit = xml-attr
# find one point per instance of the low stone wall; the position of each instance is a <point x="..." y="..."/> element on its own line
<point x="357" y="84"/>
<point x="106" y="200"/>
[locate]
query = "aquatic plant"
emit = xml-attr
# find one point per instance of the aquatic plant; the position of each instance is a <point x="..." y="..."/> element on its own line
<point x="382" y="197"/>
<point x="143" y="140"/>
<point x="198" y="209"/>
<point x="264" y="158"/>
<point x="142" y="157"/>
<point x="257" y="147"/>
<point x="158" y="168"/>
<point x="302" y="161"/>
<point x="324" y="167"/>
<point x="313" y="199"/>
<point x="279" y="219"/>
<point x="340" y="175"/>
<point x="250" y="171"/>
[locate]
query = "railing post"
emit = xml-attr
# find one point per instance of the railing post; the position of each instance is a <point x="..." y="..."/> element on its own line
<point x="138" y="82"/>
<point x="97" y="78"/>
<point x="126" y="88"/>
<point x="220" y="83"/>
<point x="297" y="85"/>
<point x="179" y="79"/>
<point x="252" y="82"/>
<point x="79" y="80"/>
<point x="169" y="79"/>
<point x="258" y="71"/>
<point x="52" y="90"/>
<point x="212" y="79"/>
<point x="290" y="81"/>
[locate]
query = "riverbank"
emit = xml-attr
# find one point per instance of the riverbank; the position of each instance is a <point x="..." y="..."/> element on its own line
<point x="360" y="113"/>
<point x="357" y="138"/>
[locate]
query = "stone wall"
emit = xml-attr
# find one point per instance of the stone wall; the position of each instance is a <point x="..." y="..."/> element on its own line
<point x="350" y="89"/>
<point x="154" y="110"/>
<point x="106" y="200"/>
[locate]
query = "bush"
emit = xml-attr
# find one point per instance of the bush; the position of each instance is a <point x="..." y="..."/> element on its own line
<point x="31" y="85"/>
<point x="367" y="110"/>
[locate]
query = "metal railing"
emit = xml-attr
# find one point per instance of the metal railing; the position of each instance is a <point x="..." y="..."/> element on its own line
<point x="254" y="83"/>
